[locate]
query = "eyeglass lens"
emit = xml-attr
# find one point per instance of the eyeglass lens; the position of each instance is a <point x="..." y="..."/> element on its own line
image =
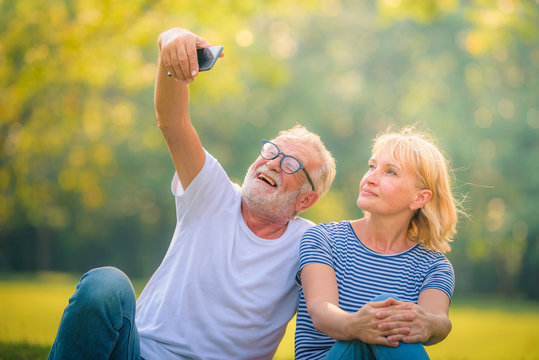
<point x="289" y="164"/>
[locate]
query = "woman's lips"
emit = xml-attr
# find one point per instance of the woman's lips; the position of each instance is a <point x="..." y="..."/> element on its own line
<point x="367" y="193"/>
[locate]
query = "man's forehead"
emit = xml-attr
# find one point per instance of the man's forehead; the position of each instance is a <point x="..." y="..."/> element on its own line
<point x="292" y="145"/>
<point x="300" y="150"/>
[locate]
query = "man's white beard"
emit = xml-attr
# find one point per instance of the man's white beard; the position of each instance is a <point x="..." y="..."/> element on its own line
<point x="268" y="202"/>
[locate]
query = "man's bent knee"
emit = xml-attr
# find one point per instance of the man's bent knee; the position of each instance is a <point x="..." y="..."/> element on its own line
<point x="103" y="286"/>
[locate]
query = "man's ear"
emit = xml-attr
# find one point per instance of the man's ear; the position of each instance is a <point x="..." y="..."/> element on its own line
<point x="306" y="200"/>
<point x="422" y="197"/>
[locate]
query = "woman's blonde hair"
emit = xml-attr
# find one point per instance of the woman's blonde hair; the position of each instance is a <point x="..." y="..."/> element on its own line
<point x="434" y="225"/>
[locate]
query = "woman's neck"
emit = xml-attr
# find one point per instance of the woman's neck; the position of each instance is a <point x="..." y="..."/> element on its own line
<point x="383" y="235"/>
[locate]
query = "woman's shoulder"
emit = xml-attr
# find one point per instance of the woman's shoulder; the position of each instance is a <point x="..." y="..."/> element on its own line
<point x="429" y="255"/>
<point x="328" y="233"/>
<point x="429" y="252"/>
<point x="331" y="227"/>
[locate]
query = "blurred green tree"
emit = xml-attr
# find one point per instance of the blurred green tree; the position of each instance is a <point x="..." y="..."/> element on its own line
<point x="83" y="168"/>
<point x="84" y="174"/>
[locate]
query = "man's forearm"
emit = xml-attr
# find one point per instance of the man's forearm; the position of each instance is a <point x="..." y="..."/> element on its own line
<point x="171" y="99"/>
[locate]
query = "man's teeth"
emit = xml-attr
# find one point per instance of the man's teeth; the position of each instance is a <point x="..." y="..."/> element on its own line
<point x="266" y="179"/>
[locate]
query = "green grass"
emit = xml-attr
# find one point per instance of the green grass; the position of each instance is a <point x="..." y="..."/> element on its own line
<point x="23" y="351"/>
<point x="31" y="307"/>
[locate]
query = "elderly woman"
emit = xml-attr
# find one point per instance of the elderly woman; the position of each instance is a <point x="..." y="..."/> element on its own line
<point x="380" y="287"/>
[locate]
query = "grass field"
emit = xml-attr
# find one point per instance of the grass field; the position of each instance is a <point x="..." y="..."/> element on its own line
<point x="31" y="307"/>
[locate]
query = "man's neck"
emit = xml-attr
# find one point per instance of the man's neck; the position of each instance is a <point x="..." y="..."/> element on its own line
<point x="263" y="226"/>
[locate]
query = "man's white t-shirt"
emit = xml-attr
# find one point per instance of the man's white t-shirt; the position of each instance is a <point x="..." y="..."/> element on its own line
<point x="221" y="292"/>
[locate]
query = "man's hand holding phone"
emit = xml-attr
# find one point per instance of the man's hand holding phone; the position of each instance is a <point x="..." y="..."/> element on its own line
<point x="184" y="54"/>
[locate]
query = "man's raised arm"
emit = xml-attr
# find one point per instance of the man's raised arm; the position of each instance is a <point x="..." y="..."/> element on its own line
<point x="178" y="56"/>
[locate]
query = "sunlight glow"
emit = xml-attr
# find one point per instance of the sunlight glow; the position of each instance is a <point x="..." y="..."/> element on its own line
<point x="483" y="117"/>
<point x="244" y="38"/>
<point x="506" y="6"/>
<point x="495" y="214"/>
<point x="283" y="45"/>
<point x="506" y="108"/>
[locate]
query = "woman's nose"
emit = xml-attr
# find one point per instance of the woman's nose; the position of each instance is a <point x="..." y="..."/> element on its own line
<point x="372" y="177"/>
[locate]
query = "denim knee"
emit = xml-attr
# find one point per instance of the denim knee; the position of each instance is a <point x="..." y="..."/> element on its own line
<point x="99" y="320"/>
<point x="104" y="287"/>
<point x="385" y="296"/>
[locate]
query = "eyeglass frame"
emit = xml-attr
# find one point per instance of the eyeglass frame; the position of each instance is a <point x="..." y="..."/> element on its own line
<point x="279" y="152"/>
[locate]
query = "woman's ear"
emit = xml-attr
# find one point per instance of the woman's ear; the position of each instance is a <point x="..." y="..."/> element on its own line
<point x="422" y="197"/>
<point x="306" y="200"/>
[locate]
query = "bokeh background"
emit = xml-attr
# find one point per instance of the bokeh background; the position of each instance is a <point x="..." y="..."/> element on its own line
<point x="85" y="175"/>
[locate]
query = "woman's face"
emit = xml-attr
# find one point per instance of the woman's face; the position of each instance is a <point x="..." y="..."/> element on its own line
<point x="386" y="188"/>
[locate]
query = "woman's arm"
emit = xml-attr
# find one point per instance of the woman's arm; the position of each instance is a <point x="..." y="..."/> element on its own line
<point x="436" y="306"/>
<point x="322" y="298"/>
<point x="428" y="321"/>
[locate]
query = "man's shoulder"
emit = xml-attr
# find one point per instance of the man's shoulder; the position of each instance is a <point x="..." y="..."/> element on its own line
<point x="298" y="226"/>
<point x="213" y="176"/>
<point x="300" y="221"/>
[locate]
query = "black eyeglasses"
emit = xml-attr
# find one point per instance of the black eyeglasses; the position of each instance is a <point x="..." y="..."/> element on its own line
<point x="289" y="164"/>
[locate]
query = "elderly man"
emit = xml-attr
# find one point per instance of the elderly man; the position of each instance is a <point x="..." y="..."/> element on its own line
<point x="226" y="287"/>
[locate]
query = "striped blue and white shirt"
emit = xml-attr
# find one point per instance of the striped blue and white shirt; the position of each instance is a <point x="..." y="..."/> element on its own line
<point x="363" y="274"/>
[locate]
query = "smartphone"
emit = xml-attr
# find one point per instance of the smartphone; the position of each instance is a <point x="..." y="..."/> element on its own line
<point x="207" y="57"/>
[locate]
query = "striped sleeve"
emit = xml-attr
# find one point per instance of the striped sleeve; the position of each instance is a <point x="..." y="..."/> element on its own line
<point x="441" y="276"/>
<point x="315" y="247"/>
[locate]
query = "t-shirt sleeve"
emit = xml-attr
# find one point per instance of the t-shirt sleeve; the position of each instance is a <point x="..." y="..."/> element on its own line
<point x="440" y="276"/>
<point x="210" y="191"/>
<point x="315" y="247"/>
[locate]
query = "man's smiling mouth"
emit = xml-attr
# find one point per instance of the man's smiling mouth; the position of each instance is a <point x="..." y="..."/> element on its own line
<point x="267" y="180"/>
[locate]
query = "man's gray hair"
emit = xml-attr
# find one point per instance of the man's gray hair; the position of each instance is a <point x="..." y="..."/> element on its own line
<point x="324" y="174"/>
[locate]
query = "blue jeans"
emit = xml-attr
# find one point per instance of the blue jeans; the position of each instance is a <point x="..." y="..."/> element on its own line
<point x="99" y="322"/>
<point x="358" y="350"/>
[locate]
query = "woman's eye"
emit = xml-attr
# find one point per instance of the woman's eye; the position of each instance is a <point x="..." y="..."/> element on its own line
<point x="391" y="172"/>
<point x="371" y="166"/>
